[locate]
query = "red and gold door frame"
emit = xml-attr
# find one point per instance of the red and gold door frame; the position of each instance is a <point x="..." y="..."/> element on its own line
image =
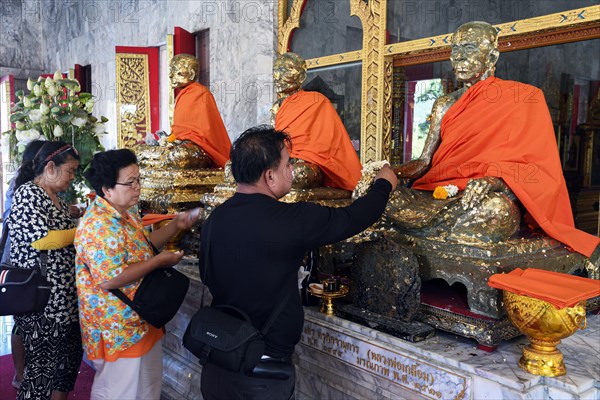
<point x="137" y="95"/>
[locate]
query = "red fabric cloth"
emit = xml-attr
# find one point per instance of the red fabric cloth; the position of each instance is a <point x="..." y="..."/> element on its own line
<point x="503" y="129"/>
<point x="560" y="290"/>
<point x="319" y="136"/>
<point x="196" y="118"/>
<point x="150" y="219"/>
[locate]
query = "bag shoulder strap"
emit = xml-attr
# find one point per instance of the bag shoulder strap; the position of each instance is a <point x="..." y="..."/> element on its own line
<point x="122" y="296"/>
<point x="276" y="311"/>
<point x="206" y="247"/>
<point x="43" y="262"/>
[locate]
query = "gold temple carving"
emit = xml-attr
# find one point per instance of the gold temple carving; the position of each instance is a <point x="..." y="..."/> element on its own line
<point x="133" y="99"/>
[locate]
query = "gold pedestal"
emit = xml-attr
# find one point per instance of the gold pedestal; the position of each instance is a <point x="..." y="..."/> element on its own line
<point x="544" y="326"/>
<point x="542" y="358"/>
<point x="327" y="298"/>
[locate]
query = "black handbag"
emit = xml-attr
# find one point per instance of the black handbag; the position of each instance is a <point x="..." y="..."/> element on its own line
<point x="159" y="296"/>
<point x="224" y="336"/>
<point x="23" y="290"/>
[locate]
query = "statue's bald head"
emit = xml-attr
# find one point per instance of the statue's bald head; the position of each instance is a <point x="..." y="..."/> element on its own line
<point x="485" y="32"/>
<point x="289" y="72"/>
<point x="183" y="69"/>
<point x="474" y="51"/>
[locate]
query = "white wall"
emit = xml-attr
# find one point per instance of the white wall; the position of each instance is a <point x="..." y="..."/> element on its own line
<point x="58" y="34"/>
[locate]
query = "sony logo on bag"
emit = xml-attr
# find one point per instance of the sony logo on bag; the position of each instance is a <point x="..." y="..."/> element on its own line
<point x="211" y="334"/>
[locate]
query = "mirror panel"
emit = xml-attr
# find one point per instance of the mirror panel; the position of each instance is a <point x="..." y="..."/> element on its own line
<point x="410" y="20"/>
<point x="568" y="74"/>
<point x="326" y="28"/>
<point x="342" y="86"/>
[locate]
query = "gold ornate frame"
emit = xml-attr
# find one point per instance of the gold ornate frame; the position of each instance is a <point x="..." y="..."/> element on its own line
<point x="379" y="58"/>
<point x="133" y="91"/>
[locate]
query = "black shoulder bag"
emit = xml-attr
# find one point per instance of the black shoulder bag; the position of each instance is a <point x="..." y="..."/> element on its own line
<point x="224" y="335"/>
<point x="158" y="296"/>
<point x="23" y="290"/>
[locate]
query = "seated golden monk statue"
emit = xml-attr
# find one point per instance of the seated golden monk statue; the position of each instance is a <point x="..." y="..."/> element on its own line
<point x="320" y="144"/>
<point x="494" y="140"/>
<point x="196" y="117"/>
<point x="176" y="174"/>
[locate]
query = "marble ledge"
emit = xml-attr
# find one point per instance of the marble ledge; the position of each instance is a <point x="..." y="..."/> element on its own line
<point x="496" y="372"/>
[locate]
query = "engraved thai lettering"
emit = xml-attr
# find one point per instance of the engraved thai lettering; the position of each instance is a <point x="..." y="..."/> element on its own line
<point x="378" y="368"/>
<point x="397" y="368"/>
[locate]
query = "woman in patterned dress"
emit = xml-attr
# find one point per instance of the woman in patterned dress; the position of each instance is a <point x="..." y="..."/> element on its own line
<point x="113" y="252"/>
<point x="40" y="221"/>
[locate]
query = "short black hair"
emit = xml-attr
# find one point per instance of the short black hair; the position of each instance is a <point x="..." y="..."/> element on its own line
<point x="105" y="166"/>
<point x="255" y="151"/>
<point x="33" y="166"/>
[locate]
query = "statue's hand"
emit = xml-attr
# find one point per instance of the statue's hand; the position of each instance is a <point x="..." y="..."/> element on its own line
<point x="477" y="189"/>
<point x="474" y="193"/>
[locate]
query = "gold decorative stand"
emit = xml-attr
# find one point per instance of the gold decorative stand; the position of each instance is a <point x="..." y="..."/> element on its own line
<point x="545" y="326"/>
<point x="327" y="297"/>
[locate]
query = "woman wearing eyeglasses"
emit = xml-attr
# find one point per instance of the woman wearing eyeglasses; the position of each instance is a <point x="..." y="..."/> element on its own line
<point x="40" y="221"/>
<point x="113" y="251"/>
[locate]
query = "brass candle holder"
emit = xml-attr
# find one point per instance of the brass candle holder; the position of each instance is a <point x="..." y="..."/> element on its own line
<point x="327" y="297"/>
<point x="544" y="326"/>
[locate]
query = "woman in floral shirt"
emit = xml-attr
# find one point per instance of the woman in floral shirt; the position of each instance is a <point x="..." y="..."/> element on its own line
<point x="114" y="252"/>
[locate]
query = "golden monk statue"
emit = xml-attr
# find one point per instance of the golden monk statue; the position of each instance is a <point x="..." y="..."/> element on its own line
<point x="320" y="143"/>
<point x="494" y="140"/>
<point x="196" y="117"/>
<point x="176" y="176"/>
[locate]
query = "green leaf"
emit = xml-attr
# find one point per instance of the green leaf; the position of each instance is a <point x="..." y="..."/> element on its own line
<point x="65" y="118"/>
<point x="17" y="117"/>
<point x="17" y="107"/>
<point x="78" y="112"/>
<point x="103" y="119"/>
<point x="19" y="93"/>
<point x="85" y="96"/>
<point x="86" y="145"/>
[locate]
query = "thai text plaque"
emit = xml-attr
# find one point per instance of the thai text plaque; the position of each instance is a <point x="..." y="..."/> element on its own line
<point x="409" y="372"/>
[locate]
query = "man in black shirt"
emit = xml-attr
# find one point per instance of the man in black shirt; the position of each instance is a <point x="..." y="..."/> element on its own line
<point x="257" y="245"/>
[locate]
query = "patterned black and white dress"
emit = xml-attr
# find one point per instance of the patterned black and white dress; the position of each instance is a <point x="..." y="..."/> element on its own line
<point x="52" y="338"/>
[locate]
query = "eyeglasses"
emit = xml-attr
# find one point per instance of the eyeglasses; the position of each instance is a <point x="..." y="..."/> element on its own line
<point x="133" y="183"/>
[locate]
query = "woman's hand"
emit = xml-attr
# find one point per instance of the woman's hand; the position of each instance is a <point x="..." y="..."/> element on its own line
<point x="167" y="259"/>
<point x="76" y="211"/>
<point x="182" y="221"/>
<point x="185" y="220"/>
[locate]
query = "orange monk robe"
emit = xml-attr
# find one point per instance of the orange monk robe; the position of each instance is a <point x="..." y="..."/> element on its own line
<point x="503" y="129"/>
<point x="319" y="136"/>
<point x="196" y="118"/>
